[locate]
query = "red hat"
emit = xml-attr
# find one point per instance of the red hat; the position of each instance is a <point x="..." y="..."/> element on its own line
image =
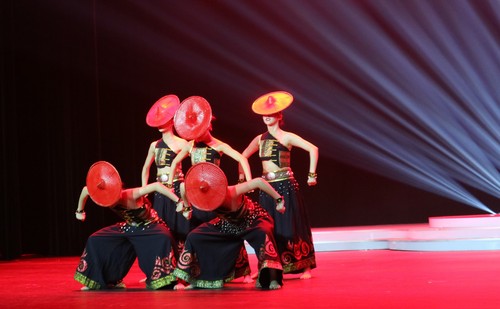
<point x="104" y="184"/>
<point x="206" y="186"/>
<point x="162" y="111"/>
<point x="272" y="103"/>
<point x="193" y="118"/>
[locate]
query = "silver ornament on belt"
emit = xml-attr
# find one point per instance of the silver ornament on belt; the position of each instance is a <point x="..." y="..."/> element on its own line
<point x="164" y="178"/>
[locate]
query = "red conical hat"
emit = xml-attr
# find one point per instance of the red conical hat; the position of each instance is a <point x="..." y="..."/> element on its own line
<point x="193" y="118"/>
<point x="272" y="103"/>
<point x="206" y="186"/>
<point x="104" y="184"/>
<point x="162" y="111"/>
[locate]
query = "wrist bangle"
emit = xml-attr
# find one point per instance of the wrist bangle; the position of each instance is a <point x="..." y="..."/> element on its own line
<point x="312" y="175"/>
<point x="80" y="211"/>
<point x="279" y="200"/>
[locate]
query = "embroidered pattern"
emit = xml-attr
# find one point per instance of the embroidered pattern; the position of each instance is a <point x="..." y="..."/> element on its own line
<point x="268" y="251"/>
<point x="199" y="155"/>
<point x="297" y="256"/>
<point x="189" y="263"/>
<point x="163" y="266"/>
<point x="82" y="266"/>
<point x="266" y="148"/>
<point x="163" y="157"/>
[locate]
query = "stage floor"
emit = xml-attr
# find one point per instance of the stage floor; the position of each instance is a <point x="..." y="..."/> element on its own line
<point x="375" y="278"/>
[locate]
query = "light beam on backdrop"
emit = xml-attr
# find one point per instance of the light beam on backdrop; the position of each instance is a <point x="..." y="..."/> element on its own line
<point x="406" y="89"/>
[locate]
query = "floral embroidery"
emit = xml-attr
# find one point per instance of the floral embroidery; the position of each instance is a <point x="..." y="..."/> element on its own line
<point x="268" y="250"/>
<point x="185" y="260"/>
<point x="163" y="266"/>
<point x="180" y="245"/>
<point x="82" y="266"/>
<point x="188" y="264"/>
<point x="295" y="251"/>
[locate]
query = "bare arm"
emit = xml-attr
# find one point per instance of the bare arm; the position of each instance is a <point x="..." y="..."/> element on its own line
<point x="261" y="184"/>
<point x="295" y="140"/>
<point x="155" y="187"/>
<point x="147" y="164"/>
<point x="80" y="210"/>
<point x="178" y="158"/>
<point x="249" y="151"/>
<point x="238" y="157"/>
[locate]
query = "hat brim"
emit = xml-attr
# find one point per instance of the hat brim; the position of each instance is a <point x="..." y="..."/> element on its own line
<point x="272" y="103"/>
<point x="193" y="118"/>
<point x="162" y="111"/>
<point x="206" y="186"/>
<point x="104" y="184"/>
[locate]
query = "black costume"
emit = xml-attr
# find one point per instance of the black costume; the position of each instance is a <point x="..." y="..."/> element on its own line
<point x="110" y="252"/>
<point x="201" y="152"/>
<point x="213" y="248"/>
<point x="292" y="229"/>
<point x="164" y="206"/>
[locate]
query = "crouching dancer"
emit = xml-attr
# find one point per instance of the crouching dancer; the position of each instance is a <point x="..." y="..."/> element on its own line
<point x="111" y="251"/>
<point x="211" y="250"/>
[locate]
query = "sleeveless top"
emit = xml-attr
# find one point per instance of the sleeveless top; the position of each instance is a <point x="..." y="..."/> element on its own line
<point x="271" y="149"/>
<point x="164" y="155"/>
<point x="201" y="152"/>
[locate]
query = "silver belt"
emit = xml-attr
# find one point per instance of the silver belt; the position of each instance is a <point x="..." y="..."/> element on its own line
<point x="278" y="175"/>
<point x="163" y="178"/>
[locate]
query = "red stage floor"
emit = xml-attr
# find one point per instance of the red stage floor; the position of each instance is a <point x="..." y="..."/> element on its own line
<point x="343" y="279"/>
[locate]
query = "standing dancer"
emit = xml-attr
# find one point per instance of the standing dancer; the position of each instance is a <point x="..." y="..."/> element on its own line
<point x="212" y="248"/>
<point x="111" y="251"/>
<point x="162" y="152"/>
<point x="192" y="122"/>
<point x="292" y="230"/>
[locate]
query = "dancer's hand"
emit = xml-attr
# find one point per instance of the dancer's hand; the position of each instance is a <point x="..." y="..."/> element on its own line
<point x="80" y="215"/>
<point x="179" y="205"/>
<point x="312" y="181"/>
<point x="187" y="213"/>
<point x="280" y="205"/>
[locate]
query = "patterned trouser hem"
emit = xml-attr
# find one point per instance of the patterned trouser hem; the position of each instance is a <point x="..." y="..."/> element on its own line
<point x="299" y="265"/>
<point x="271" y="264"/>
<point x="86" y="281"/>
<point x="162" y="282"/>
<point x="202" y="284"/>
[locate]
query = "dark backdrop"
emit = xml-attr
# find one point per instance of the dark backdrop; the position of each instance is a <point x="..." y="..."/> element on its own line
<point x="78" y="78"/>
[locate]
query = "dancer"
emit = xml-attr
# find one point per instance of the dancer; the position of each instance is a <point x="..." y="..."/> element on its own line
<point x="111" y="251"/>
<point x="292" y="230"/>
<point x="192" y="122"/>
<point x="162" y="152"/>
<point x="212" y="248"/>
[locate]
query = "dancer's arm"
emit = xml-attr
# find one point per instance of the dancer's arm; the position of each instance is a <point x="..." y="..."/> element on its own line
<point x="147" y="164"/>
<point x="238" y="157"/>
<point x="261" y="184"/>
<point x="80" y="210"/>
<point x="297" y="141"/>
<point x="178" y="158"/>
<point x="156" y="187"/>
<point x="247" y="153"/>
